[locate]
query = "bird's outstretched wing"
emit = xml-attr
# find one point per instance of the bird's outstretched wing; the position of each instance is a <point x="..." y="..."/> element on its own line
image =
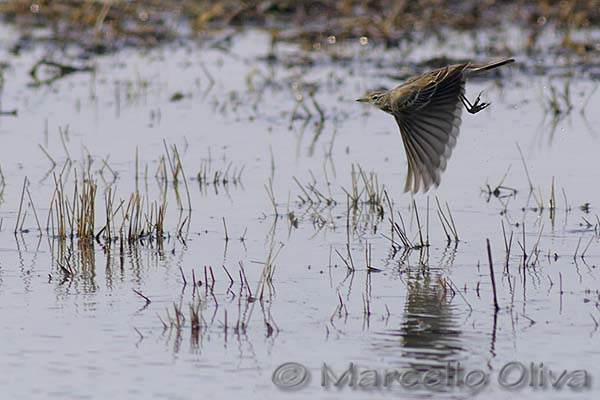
<point x="428" y="111"/>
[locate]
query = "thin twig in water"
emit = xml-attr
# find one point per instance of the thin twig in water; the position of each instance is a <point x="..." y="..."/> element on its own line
<point x="586" y="247"/>
<point x="489" y="251"/>
<point x="183" y="277"/>
<point x="577" y="249"/>
<point x="526" y="169"/>
<point x="148" y="301"/>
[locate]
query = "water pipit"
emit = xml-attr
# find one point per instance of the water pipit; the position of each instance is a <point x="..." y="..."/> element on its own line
<point x="427" y="109"/>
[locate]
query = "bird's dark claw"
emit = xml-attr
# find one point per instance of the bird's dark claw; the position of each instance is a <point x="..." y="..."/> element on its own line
<point x="475" y="107"/>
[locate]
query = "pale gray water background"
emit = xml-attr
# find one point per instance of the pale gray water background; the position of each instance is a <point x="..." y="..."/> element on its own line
<point x="76" y="338"/>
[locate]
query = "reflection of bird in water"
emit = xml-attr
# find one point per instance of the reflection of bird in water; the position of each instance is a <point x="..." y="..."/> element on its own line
<point x="427" y="109"/>
<point x="421" y="325"/>
<point x="430" y="330"/>
<point x="430" y="334"/>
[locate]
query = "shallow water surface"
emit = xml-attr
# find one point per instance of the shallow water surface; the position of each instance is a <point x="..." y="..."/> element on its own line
<point x="273" y="208"/>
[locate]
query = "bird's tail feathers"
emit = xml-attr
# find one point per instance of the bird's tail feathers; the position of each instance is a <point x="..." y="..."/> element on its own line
<point x="491" y="65"/>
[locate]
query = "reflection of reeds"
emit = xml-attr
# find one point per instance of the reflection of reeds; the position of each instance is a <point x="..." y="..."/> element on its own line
<point x="246" y="300"/>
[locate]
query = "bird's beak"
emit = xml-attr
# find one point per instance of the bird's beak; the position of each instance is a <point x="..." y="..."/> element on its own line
<point x="363" y="99"/>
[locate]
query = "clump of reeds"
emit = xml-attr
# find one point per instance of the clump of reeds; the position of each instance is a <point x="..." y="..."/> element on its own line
<point x="447" y="222"/>
<point x="73" y="216"/>
<point x="558" y="103"/>
<point x="173" y="160"/>
<point x="422" y="239"/>
<point x="73" y="209"/>
<point x="366" y="190"/>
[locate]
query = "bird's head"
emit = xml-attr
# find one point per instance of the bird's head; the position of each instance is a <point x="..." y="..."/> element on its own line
<point x="378" y="98"/>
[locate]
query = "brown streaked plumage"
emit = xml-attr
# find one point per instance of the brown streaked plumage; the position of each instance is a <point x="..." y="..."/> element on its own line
<point x="428" y="111"/>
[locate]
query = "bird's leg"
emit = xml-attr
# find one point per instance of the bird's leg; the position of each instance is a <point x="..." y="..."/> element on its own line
<point x="476" y="106"/>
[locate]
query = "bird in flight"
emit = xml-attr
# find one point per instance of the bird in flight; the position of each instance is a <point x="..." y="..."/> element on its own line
<point x="428" y="111"/>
